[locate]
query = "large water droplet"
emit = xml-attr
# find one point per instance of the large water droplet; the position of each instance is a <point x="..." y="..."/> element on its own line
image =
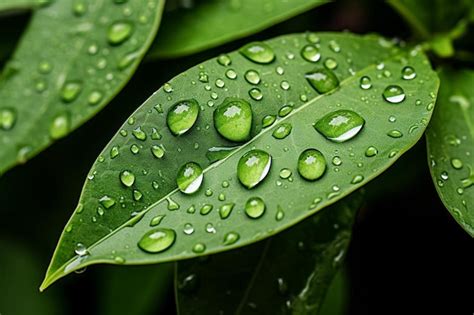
<point x="233" y="119"/>
<point x="322" y="80"/>
<point x="127" y="178"/>
<point x="157" y="240"/>
<point x="182" y="116"/>
<point x="282" y="131"/>
<point x="255" y="207"/>
<point x="119" y="32"/>
<point x="393" y="94"/>
<point x="258" y="52"/>
<point x="189" y="178"/>
<point x="340" y="126"/>
<point x="231" y="238"/>
<point x="310" y="53"/>
<point x="253" y="167"/>
<point x="7" y="118"/>
<point x="311" y="164"/>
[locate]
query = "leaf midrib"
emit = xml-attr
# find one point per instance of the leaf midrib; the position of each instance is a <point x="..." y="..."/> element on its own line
<point x="243" y="146"/>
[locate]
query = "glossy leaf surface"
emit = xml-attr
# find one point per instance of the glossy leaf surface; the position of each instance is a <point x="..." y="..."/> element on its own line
<point x="207" y="24"/>
<point x="450" y="140"/>
<point x="289" y="273"/>
<point x="73" y="58"/>
<point x="130" y="206"/>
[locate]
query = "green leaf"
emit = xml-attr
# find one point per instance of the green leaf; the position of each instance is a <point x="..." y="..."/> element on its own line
<point x="214" y="22"/>
<point x="6" y="5"/>
<point x="71" y="61"/>
<point x="450" y="139"/>
<point x="243" y="281"/>
<point x="442" y="16"/>
<point x="134" y="181"/>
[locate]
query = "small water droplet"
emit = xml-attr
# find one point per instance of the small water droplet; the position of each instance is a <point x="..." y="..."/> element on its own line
<point x="280" y="214"/>
<point x="258" y="52"/>
<point x="340" y="126"/>
<point x="394" y="94"/>
<point x="225" y="210"/>
<point x="81" y="250"/>
<point x="231" y="238"/>
<point x="253" y="167"/>
<point x="336" y="161"/>
<point x="224" y="60"/>
<point x="255" y="207"/>
<point x="256" y="94"/>
<point x="252" y="77"/>
<point x="408" y="73"/>
<point x="188" y="229"/>
<point x="310" y="53"/>
<point x="189" y="178"/>
<point x="231" y="74"/>
<point x="330" y="63"/>
<point x="456" y="163"/>
<point x="268" y="120"/>
<point x="282" y="131"/>
<point x="157" y="220"/>
<point x="137" y="195"/>
<point x="119" y="32"/>
<point x="70" y="91"/>
<point x="285" y="173"/>
<point x="157" y="240"/>
<point x="394" y="133"/>
<point x="199" y="248"/>
<point x="172" y="205"/>
<point x="357" y="179"/>
<point x="322" y="80"/>
<point x="233" y="119"/>
<point x="60" y="126"/>
<point x="311" y="164"/>
<point x="139" y="134"/>
<point x="127" y="178"/>
<point x="182" y="116"/>
<point x="206" y="209"/>
<point x="365" y="83"/>
<point x="371" y="151"/>
<point x="107" y="202"/>
<point x="285" y="110"/>
<point x="7" y="118"/>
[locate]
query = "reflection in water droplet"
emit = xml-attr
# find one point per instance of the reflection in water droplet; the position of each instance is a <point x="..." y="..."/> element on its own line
<point x="253" y="167"/>
<point x="340" y="126"/>
<point x="157" y="240"/>
<point x="311" y="164"/>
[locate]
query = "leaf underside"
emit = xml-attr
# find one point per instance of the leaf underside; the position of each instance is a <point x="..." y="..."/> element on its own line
<point x="210" y="23"/>
<point x="450" y="139"/>
<point x="111" y="235"/>
<point x="286" y="273"/>
<point x="66" y="68"/>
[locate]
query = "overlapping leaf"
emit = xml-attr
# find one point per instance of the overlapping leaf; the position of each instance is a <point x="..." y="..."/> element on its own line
<point x="73" y="58"/>
<point x="450" y="140"/>
<point x="287" y="273"/>
<point x="206" y="24"/>
<point x="133" y="182"/>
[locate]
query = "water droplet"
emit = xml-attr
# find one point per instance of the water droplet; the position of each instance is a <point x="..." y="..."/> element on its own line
<point x="119" y="32"/>
<point x="70" y="91"/>
<point x="231" y="238"/>
<point x="155" y="134"/>
<point x="137" y="195"/>
<point x="167" y="87"/>
<point x="322" y="80"/>
<point x="225" y="210"/>
<point x="285" y="110"/>
<point x="134" y="148"/>
<point x="336" y="161"/>
<point x="282" y="131"/>
<point x="182" y="116"/>
<point x="394" y="133"/>
<point x="334" y="46"/>
<point x="231" y="74"/>
<point x="59" y="127"/>
<point x="312" y="38"/>
<point x="188" y="229"/>
<point x="220" y="83"/>
<point x="224" y="60"/>
<point x="282" y="286"/>
<point x="157" y="240"/>
<point x="285" y="173"/>
<point x="280" y="214"/>
<point x="94" y="98"/>
<point x="157" y="220"/>
<point x="189" y="178"/>
<point x="199" y="248"/>
<point x="408" y="73"/>
<point x="357" y="179"/>
<point x="456" y="163"/>
<point x="256" y="94"/>
<point x="365" y="83"/>
<point x="311" y="164"/>
<point x="310" y="53"/>
<point x="233" y="119"/>
<point x="44" y="67"/>
<point x="393" y="94"/>
<point x="258" y="52"/>
<point x="330" y="63"/>
<point x="81" y="250"/>
<point x="371" y="151"/>
<point x="340" y="126"/>
<point x="253" y="167"/>
<point x="157" y="151"/>
<point x="107" y="202"/>
<point x="7" y="118"/>
<point x="172" y="205"/>
<point x="139" y="134"/>
<point x="285" y="85"/>
<point x="268" y="120"/>
<point x="127" y="178"/>
<point x="252" y="77"/>
<point x="210" y="228"/>
<point x="206" y="209"/>
<point x="255" y="207"/>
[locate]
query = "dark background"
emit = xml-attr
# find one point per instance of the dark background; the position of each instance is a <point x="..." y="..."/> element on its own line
<point x="407" y="255"/>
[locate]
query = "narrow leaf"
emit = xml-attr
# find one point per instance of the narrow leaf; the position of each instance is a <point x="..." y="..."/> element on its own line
<point x="287" y="273"/>
<point x="71" y="61"/>
<point x="210" y="23"/>
<point x="6" y="5"/>
<point x="323" y="146"/>
<point x="450" y="139"/>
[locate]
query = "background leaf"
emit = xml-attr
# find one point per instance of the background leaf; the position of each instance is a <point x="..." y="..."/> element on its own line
<point x="450" y="139"/>
<point x="6" y="5"/>
<point x="206" y="24"/>
<point x="111" y="234"/>
<point x="73" y="58"/>
<point x="287" y="273"/>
